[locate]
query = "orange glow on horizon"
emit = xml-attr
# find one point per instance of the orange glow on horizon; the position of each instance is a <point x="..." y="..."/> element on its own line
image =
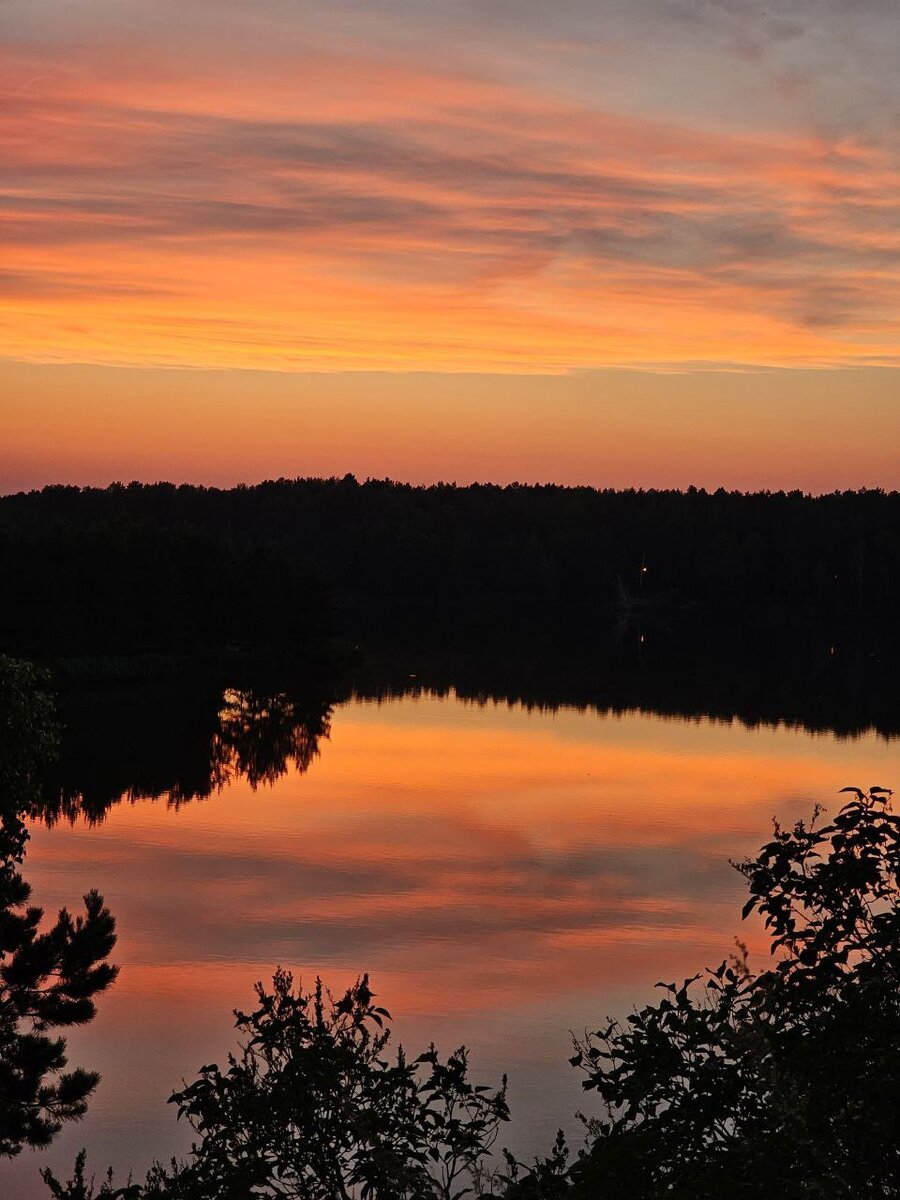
<point x="816" y="430"/>
<point x="282" y="246"/>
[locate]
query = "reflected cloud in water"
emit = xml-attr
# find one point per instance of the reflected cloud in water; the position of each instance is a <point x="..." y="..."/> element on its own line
<point x="503" y="872"/>
<point x="452" y="843"/>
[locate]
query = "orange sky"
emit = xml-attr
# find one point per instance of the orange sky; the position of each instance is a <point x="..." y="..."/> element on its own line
<point x="816" y="430"/>
<point x="509" y="206"/>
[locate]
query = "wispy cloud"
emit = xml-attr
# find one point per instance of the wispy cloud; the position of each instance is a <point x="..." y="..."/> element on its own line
<point x="332" y="208"/>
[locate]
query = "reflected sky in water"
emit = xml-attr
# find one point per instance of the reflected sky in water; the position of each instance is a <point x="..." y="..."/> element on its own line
<point x="503" y="875"/>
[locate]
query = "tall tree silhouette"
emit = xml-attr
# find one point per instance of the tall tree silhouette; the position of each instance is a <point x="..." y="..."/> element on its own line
<point x="49" y="974"/>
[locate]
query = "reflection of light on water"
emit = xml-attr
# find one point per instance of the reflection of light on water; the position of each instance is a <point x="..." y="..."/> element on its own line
<point x="504" y="874"/>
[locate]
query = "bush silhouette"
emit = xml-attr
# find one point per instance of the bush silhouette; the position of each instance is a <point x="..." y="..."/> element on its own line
<point x="313" y="1108"/>
<point x="782" y="1082"/>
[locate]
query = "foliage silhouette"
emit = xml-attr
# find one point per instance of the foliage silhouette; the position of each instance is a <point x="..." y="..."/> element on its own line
<point x="782" y="1082"/>
<point x="48" y="977"/>
<point x="312" y="1108"/>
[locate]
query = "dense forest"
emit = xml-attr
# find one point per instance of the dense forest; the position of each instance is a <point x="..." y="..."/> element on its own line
<point x="150" y="567"/>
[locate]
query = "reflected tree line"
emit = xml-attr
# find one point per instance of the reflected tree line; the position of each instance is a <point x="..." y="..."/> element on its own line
<point x="737" y="1081"/>
<point x="183" y="738"/>
<point x="817" y="678"/>
<point x="178" y="741"/>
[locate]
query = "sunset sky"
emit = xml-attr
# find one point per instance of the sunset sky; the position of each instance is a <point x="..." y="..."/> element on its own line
<point x="618" y="242"/>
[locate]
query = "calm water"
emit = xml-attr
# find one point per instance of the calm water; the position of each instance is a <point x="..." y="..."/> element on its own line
<point x="504" y="875"/>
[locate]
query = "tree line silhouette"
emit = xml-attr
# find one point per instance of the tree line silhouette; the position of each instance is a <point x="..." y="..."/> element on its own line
<point x="149" y="567"/>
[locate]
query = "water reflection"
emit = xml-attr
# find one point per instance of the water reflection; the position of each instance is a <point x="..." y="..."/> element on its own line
<point x="820" y="680"/>
<point x="185" y="740"/>
<point x="178" y="743"/>
<point x="261" y="735"/>
<point x="504" y="874"/>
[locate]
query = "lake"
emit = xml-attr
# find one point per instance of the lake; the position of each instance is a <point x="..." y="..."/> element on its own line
<point x="504" y="873"/>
